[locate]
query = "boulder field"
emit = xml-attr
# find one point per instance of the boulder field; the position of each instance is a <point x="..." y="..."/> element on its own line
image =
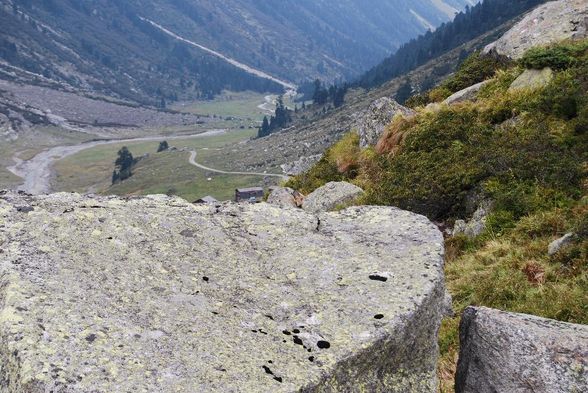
<point x="102" y="294"/>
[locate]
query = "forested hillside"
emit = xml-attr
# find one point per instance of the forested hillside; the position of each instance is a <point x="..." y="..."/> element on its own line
<point x="110" y="46"/>
<point x="467" y="25"/>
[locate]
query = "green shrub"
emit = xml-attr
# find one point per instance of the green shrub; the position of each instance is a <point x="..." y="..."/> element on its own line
<point x="476" y="68"/>
<point x="558" y="57"/>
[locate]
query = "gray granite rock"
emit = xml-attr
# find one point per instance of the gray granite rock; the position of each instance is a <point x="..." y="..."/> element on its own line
<point x="556" y="245"/>
<point x="467" y="94"/>
<point x="374" y="121"/>
<point x="477" y="224"/>
<point x="505" y="352"/>
<point x="285" y="197"/>
<point x="532" y="79"/>
<point x="550" y="23"/>
<point x="330" y="196"/>
<point x="101" y="294"/>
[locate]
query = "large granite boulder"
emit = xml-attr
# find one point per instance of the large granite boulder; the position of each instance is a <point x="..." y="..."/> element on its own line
<point x="552" y="22"/>
<point x="330" y="196"/>
<point x="380" y="113"/>
<point x="101" y="294"/>
<point x="507" y="352"/>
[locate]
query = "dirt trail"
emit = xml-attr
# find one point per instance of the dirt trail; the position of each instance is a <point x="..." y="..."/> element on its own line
<point x="38" y="171"/>
<point x="192" y="161"/>
<point x="244" y="67"/>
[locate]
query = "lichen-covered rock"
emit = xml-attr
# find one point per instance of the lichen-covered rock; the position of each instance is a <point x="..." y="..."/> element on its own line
<point x="301" y="165"/>
<point x="508" y="352"/>
<point x="556" y="245"/>
<point x="379" y="114"/>
<point x="101" y="294"/>
<point x="550" y="23"/>
<point x="330" y="196"/>
<point x="532" y="79"/>
<point x="467" y="94"/>
<point x="285" y="197"/>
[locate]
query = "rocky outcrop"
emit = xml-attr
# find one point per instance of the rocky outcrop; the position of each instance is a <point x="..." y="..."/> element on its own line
<point x="380" y="113"/>
<point x="467" y="94"/>
<point x="532" y="79"/>
<point x="300" y="166"/>
<point x="556" y="245"/>
<point x="155" y="294"/>
<point x="330" y="196"/>
<point x="552" y="22"/>
<point x="507" y="352"/>
<point x="285" y="197"/>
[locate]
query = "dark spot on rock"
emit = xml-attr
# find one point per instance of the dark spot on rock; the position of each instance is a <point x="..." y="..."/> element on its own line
<point x="270" y="362"/>
<point x="80" y="378"/>
<point x="205" y="278"/>
<point x="109" y="238"/>
<point x="379" y="316"/>
<point x="311" y="358"/>
<point x="297" y="340"/>
<point x="309" y="350"/>
<point x="287" y="333"/>
<point x="215" y="313"/>
<point x="90" y="338"/>
<point x="24" y="209"/>
<point x="41" y="327"/>
<point x="377" y="277"/>
<point x="262" y="332"/>
<point x="68" y="210"/>
<point x="187" y="233"/>
<point x="284" y="341"/>
<point x="19" y="308"/>
<point x="254" y="331"/>
<point x="296" y="331"/>
<point x="323" y="344"/>
<point x="279" y="379"/>
<point x="270" y="317"/>
<point x="268" y="370"/>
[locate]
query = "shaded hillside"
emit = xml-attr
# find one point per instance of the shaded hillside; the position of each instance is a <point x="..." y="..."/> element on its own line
<point x="109" y="46"/>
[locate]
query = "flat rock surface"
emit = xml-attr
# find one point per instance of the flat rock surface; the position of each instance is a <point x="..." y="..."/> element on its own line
<point x="550" y="23"/>
<point x="155" y="294"/>
<point x="509" y="352"/>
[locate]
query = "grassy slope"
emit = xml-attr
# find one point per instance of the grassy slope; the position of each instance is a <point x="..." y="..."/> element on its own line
<point x="168" y="172"/>
<point x="527" y="151"/>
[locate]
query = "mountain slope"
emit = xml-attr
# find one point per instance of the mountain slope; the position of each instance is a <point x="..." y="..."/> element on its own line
<point x="108" y="46"/>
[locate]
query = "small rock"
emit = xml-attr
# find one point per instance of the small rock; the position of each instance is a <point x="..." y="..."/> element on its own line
<point x="556" y="245"/>
<point x="508" y="352"/>
<point x="331" y="195"/>
<point x="285" y="197"/>
<point x="376" y="119"/>
<point x="477" y="224"/>
<point x="468" y="94"/>
<point x="532" y="79"/>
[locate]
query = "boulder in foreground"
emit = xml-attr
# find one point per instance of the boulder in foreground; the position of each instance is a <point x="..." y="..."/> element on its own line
<point x="505" y="352"/>
<point x="155" y="294"/>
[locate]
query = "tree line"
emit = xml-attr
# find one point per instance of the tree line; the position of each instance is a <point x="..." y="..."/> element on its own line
<point x="467" y="25"/>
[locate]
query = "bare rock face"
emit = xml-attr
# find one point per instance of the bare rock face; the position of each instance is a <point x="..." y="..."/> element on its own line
<point x="507" y="352"/>
<point x="300" y="166"/>
<point x="552" y="22"/>
<point x="373" y="123"/>
<point x="331" y="195"/>
<point x="102" y="294"/>
<point x="285" y="197"/>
